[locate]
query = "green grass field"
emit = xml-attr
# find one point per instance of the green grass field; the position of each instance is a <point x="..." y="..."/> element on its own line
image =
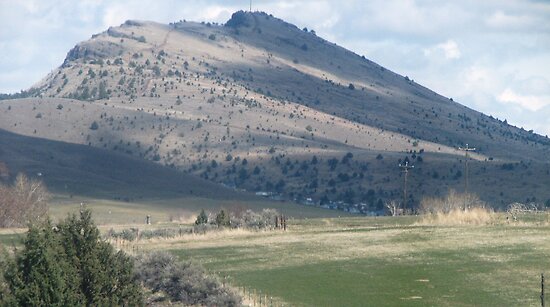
<point x="378" y="262"/>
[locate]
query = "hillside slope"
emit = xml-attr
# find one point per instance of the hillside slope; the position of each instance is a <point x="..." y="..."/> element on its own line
<point x="86" y="171"/>
<point x="262" y="105"/>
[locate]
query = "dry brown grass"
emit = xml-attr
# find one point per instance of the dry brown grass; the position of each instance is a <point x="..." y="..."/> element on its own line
<point x="455" y="209"/>
<point x="472" y="216"/>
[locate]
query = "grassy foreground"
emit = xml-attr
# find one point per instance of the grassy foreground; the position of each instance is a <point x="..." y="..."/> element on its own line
<point x="378" y="262"/>
<point x="367" y="261"/>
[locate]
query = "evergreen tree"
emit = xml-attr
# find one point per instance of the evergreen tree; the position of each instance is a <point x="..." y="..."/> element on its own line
<point x="202" y="218"/>
<point x="222" y="218"/>
<point x="69" y="265"/>
<point x="40" y="274"/>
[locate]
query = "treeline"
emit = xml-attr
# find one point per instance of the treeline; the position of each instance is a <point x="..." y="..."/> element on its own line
<point x="23" y="94"/>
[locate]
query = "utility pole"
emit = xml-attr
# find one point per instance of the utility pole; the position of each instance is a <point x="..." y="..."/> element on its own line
<point x="405" y="167"/>
<point x="466" y="150"/>
<point x="250" y="6"/>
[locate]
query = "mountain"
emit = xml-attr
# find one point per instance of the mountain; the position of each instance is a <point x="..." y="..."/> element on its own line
<point x="261" y="105"/>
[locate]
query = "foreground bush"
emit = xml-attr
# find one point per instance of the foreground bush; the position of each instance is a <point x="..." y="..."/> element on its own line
<point x="183" y="281"/>
<point x="68" y="265"/>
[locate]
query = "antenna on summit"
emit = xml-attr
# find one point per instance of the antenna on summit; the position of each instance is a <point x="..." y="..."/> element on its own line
<point x="250" y="6"/>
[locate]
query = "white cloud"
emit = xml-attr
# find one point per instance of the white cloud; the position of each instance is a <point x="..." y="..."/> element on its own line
<point x="529" y="102"/>
<point x="502" y="20"/>
<point x="449" y="50"/>
<point x="115" y="15"/>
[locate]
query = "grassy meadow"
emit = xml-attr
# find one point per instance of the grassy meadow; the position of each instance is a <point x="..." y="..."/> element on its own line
<point x="323" y="260"/>
<point x="384" y="261"/>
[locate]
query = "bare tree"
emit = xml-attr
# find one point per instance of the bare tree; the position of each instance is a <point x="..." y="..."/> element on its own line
<point x="4" y="171"/>
<point x="453" y="201"/>
<point x="22" y="203"/>
<point x="393" y="207"/>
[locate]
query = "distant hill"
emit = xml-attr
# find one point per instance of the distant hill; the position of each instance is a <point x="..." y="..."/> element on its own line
<point x="261" y="105"/>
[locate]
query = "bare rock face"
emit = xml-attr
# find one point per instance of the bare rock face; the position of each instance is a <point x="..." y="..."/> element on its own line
<point x="239" y="19"/>
<point x="97" y="50"/>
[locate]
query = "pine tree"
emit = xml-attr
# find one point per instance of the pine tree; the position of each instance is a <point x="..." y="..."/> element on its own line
<point x="202" y="218"/>
<point x="222" y="218"/>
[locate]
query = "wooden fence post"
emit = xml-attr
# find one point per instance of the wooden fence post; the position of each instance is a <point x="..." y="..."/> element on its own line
<point x="542" y="289"/>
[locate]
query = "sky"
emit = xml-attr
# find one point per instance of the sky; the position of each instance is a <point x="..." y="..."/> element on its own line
<point x="490" y="55"/>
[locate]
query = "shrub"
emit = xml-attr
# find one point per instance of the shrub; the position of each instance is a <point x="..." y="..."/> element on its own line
<point x="94" y="126"/>
<point x="156" y="70"/>
<point x="254" y="220"/>
<point x="183" y="282"/>
<point x="473" y="216"/>
<point x="452" y="201"/>
<point x="130" y="234"/>
<point x="212" y="37"/>
<point x="455" y="209"/>
<point x="204" y="228"/>
<point x="159" y="233"/>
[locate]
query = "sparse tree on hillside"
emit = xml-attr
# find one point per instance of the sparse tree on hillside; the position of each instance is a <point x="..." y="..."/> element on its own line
<point x="94" y="126"/>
